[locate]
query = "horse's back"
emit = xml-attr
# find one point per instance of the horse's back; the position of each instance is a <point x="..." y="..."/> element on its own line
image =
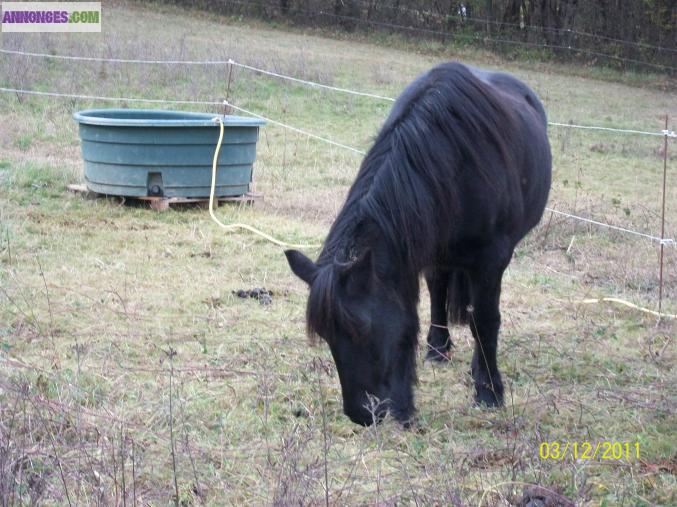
<point x="506" y="195"/>
<point x="501" y="82"/>
<point x="510" y="85"/>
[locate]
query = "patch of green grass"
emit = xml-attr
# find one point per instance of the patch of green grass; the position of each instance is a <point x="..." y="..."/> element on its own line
<point x="35" y="176"/>
<point x="23" y="142"/>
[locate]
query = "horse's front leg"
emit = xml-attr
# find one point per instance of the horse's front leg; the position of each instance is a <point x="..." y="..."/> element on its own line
<point x="439" y="340"/>
<point x="484" y="319"/>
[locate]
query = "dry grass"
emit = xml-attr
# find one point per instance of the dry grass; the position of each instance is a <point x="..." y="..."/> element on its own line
<point x="130" y="370"/>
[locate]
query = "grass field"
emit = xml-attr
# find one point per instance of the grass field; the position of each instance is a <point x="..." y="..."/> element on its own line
<point x="129" y="370"/>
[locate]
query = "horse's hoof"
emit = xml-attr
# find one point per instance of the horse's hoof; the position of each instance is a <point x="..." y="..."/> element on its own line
<point x="412" y="424"/>
<point x="485" y="396"/>
<point x="437" y="355"/>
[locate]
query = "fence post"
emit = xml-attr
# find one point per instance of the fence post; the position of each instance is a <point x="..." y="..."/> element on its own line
<point x="666" y="133"/>
<point x="226" y="107"/>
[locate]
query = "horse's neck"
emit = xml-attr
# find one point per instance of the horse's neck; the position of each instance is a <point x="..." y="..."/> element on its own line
<point x="362" y="223"/>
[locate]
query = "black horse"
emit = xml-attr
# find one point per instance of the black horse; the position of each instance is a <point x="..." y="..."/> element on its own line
<point x="457" y="176"/>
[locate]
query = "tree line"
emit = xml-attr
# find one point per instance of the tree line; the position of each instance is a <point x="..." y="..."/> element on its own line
<point x="619" y="33"/>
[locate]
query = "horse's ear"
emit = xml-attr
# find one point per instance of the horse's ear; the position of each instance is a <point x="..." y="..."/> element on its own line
<point x="301" y="265"/>
<point x="358" y="274"/>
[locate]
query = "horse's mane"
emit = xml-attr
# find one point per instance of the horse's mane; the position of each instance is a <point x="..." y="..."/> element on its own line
<point x="446" y="123"/>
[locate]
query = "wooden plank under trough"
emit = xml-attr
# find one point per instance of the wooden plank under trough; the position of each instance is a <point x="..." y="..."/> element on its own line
<point x="164" y="203"/>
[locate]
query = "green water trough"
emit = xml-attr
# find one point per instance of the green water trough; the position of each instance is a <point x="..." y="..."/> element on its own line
<point x="156" y="153"/>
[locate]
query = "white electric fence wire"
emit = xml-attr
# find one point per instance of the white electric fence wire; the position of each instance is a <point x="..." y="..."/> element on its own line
<point x="663" y="241"/>
<point x="198" y="62"/>
<point x="108" y="99"/>
<point x="294" y="129"/>
<point x="312" y="84"/>
<point x="662" y="133"/>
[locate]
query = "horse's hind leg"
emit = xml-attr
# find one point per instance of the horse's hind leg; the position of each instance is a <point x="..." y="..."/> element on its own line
<point x="439" y="341"/>
<point x="485" y="319"/>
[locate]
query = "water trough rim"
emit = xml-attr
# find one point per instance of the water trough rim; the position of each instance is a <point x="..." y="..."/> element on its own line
<point x="107" y="117"/>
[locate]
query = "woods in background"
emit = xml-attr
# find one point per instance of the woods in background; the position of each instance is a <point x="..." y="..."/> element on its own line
<point x="620" y="33"/>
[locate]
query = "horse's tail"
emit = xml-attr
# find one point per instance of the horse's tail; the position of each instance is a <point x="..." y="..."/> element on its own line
<point x="458" y="297"/>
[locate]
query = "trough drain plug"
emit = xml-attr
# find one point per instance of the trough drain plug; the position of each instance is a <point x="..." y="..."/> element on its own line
<point x="155" y="187"/>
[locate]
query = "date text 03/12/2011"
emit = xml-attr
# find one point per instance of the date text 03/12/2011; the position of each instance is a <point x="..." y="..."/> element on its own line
<point x="590" y="451"/>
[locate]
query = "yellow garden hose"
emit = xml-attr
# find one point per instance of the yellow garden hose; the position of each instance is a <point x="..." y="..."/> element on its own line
<point x="233" y="227"/>
<point x="660" y="315"/>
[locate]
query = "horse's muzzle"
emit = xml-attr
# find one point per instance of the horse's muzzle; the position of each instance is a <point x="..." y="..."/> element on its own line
<point x="365" y="413"/>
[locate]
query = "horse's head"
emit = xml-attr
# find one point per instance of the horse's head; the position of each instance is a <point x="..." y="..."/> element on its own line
<point x="371" y="333"/>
